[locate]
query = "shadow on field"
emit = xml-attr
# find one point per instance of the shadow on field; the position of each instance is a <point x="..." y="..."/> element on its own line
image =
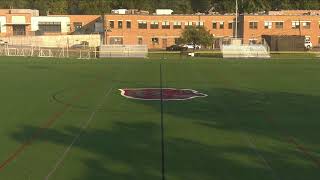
<point x="285" y="124"/>
<point x="131" y="150"/>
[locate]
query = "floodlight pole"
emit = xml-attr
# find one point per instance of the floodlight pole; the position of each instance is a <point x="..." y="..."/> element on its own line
<point x="236" y="25"/>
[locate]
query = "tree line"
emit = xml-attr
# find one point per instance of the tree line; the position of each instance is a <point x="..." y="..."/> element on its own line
<point x="179" y="6"/>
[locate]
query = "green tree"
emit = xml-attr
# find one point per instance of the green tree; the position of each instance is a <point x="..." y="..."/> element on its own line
<point x="14" y="4"/>
<point x="196" y="36"/>
<point x="94" y="6"/>
<point x="179" y="6"/>
<point x="201" y="5"/>
<point x="58" y="7"/>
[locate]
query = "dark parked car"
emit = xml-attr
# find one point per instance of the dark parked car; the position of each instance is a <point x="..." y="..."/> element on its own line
<point x="176" y="48"/>
<point x="83" y="44"/>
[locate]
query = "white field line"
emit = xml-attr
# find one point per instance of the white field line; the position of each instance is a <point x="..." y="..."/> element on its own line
<point x="83" y="128"/>
<point x="255" y="149"/>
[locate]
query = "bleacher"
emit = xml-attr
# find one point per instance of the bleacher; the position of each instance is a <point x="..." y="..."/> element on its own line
<point x="123" y="51"/>
<point x="245" y="51"/>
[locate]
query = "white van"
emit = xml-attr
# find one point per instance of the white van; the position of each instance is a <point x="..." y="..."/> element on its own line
<point x="191" y="46"/>
<point x="307" y="43"/>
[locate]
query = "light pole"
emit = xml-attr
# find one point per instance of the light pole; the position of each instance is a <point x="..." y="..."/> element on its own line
<point x="236" y="25"/>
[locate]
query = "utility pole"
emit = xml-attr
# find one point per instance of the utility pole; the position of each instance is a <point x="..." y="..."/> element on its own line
<point x="236" y="28"/>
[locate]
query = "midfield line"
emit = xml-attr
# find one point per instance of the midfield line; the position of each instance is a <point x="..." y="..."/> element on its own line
<point x="162" y="127"/>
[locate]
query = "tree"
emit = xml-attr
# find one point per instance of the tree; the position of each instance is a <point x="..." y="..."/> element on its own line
<point x="179" y="6"/>
<point x="94" y="6"/>
<point x="200" y="5"/>
<point x="196" y="36"/>
<point x="58" y="7"/>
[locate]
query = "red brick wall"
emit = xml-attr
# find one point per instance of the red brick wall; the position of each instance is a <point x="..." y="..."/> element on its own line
<point x="313" y="32"/>
<point x="10" y="28"/>
<point x="86" y="20"/>
<point x="130" y="36"/>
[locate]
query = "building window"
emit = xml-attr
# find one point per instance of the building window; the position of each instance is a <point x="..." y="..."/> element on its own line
<point x="307" y="38"/>
<point x="154" y="25"/>
<point x="128" y="24"/>
<point x="155" y="41"/>
<point x="50" y="26"/>
<point x="177" y="25"/>
<point x="116" y="40"/>
<point x="188" y="24"/>
<point x="279" y="25"/>
<point x="200" y="24"/>
<point x="253" y="25"/>
<point x="306" y="25"/>
<point x="119" y="24"/>
<point x="140" y="40"/>
<point x="165" y="25"/>
<point x="230" y="25"/>
<point x="268" y="25"/>
<point x="19" y="30"/>
<point x="111" y="24"/>
<point x="177" y="40"/>
<point x="77" y="26"/>
<point x="252" y="41"/>
<point x="221" y="25"/>
<point x="142" y="24"/>
<point x="214" y="25"/>
<point x="295" y="24"/>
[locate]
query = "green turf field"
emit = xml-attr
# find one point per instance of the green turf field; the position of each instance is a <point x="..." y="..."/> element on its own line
<point x="66" y="120"/>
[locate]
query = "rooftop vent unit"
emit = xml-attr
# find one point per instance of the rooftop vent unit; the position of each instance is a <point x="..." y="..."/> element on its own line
<point x="119" y="11"/>
<point x="164" y="11"/>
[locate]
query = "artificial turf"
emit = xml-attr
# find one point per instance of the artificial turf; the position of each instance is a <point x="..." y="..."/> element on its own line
<point x="65" y="119"/>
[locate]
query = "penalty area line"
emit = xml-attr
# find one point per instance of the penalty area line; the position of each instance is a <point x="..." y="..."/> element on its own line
<point x="76" y="138"/>
<point x="260" y="156"/>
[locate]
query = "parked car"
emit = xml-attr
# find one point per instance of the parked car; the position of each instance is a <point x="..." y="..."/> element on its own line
<point x="83" y="44"/>
<point x="176" y="48"/>
<point x="192" y="46"/>
<point x="2" y="43"/>
<point x="308" y="44"/>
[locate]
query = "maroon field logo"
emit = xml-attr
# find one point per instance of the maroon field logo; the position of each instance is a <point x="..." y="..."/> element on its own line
<point x="168" y="94"/>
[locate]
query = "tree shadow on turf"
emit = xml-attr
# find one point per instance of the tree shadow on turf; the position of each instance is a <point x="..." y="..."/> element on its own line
<point x="287" y="122"/>
<point x="132" y="151"/>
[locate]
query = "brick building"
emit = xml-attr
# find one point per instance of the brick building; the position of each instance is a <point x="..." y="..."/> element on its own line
<point x="254" y="26"/>
<point x="27" y="22"/>
<point x="16" y="21"/>
<point x="160" y="31"/>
